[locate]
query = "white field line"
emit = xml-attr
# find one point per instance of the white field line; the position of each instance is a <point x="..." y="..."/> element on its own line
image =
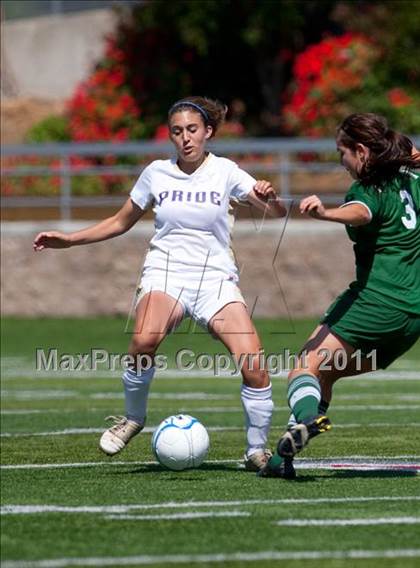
<point x="366" y="396"/>
<point x="75" y="431"/>
<point x="124" y="509"/>
<point x="350" y="462"/>
<point x="349" y="522"/>
<point x="220" y="558"/>
<point x="78" y="431"/>
<point x="180" y="516"/>
<point x="13" y="369"/>
<point x="41" y="394"/>
<point x="364" y="407"/>
<point x="377" y="425"/>
<point x="219" y="409"/>
<point x="24" y="411"/>
<point x="359" y="407"/>
<point x="168" y="396"/>
<point x="92" y="464"/>
<point x="405" y="364"/>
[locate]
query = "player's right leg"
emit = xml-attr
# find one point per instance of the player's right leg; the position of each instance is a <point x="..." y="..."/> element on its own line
<point x="157" y="314"/>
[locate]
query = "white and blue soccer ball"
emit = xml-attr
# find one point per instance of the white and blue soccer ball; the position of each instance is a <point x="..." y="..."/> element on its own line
<point x="180" y="442"/>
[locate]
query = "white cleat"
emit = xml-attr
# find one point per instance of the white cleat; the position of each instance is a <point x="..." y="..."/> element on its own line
<point x="117" y="437"/>
<point x="257" y="461"/>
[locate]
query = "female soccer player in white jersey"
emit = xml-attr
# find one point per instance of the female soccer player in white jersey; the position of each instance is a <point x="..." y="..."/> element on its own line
<point x="189" y="269"/>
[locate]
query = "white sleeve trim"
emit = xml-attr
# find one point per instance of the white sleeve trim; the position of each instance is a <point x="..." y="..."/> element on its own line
<point x="358" y="203"/>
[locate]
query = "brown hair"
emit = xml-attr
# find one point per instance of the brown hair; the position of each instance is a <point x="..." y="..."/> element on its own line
<point x="212" y="112"/>
<point x="389" y="150"/>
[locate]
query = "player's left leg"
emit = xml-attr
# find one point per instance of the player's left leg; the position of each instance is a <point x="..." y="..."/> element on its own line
<point x="233" y="326"/>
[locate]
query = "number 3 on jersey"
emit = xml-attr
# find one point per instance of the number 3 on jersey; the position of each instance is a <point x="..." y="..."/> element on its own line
<point x="409" y="220"/>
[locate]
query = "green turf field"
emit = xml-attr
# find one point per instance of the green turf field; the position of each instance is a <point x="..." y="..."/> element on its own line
<point x="356" y="501"/>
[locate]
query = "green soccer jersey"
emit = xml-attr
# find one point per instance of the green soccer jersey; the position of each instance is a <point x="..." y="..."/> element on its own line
<point x="387" y="249"/>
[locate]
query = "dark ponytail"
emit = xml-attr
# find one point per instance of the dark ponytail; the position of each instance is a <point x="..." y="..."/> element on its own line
<point x="389" y="150"/>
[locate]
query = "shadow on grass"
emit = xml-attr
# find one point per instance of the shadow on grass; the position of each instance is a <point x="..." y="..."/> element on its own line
<point x="346" y="474"/>
<point x="156" y="468"/>
<point x="234" y="469"/>
<point x="375" y="473"/>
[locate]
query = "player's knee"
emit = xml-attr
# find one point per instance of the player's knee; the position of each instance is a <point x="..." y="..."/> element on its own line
<point x="256" y="378"/>
<point x="143" y="344"/>
<point x="308" y="363"/>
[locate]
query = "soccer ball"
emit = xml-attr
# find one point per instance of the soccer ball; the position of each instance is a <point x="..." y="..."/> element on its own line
<point x="180" y="442"/>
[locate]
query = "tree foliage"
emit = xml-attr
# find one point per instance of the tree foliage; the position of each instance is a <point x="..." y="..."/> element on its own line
<point x="246" y="53"/>
<point x="227" y="49"/>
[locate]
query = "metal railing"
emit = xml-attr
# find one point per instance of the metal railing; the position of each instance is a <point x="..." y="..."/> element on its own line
<point x="281" y="152"/>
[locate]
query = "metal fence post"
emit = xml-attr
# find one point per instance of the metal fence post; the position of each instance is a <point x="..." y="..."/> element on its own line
<point x="285" y="174"/>
<point x="65" y="189"/>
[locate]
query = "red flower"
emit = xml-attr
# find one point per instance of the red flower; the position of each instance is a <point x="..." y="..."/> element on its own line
<point x="323" y="74"/>
<point x="399" y="98"/>
<point x="162" y="133"/>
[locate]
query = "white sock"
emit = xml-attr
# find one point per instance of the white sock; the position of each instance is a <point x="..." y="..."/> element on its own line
<point x="292" y="421"/>
<point x="136" y="390"/>
<point x="258" y="408"/>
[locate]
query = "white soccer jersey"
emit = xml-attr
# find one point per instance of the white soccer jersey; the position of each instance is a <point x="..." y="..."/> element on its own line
<point x="193" y="218"/>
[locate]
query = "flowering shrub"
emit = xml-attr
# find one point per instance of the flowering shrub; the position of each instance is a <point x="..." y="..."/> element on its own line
<point x="30" y="184"/>
<point x="341" y="75"/>
<point x="82" y="182"/>
<point x="102" y="107"/>
<point x="324" y="75"/>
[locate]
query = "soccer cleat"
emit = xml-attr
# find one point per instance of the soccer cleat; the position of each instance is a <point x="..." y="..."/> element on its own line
<point x="273" y="468"/>
<point x="297" y="437"/>
<point x="257" y="460"/>
<point x="117" y="437"/>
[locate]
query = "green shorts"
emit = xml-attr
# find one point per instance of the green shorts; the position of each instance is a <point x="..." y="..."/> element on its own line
<point x="369" y="325"/>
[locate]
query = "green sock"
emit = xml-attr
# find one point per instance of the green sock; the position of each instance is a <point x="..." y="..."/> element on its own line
<point x="275" y="461"/>
<point x="323" y="406"/>
<point x="304" y="395"/>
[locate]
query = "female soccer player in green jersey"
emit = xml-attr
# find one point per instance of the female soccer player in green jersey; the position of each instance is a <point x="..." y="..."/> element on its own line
<point x="377" y="318"/>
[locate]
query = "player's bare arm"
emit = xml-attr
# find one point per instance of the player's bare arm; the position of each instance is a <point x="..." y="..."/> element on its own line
<point x="265" y="198"/>
<point x="111" y="227"/>
<point x="353" y="214"/>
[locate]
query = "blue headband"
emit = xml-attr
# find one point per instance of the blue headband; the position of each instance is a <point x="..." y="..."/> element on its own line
<point x="193" y="105"/>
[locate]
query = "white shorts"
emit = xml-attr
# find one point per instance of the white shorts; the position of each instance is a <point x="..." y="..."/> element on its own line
<point x="200" y="298"/>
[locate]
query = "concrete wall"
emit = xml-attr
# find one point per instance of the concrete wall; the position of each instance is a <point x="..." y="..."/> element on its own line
<point x="314" y="263"/>
<point x="47" y="56"/>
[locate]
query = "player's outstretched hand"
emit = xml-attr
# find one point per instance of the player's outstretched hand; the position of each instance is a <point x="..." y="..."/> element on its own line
<point x="51" y="239"/>
<point x="313" y="206"/>
<point x="264" y="189"/>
